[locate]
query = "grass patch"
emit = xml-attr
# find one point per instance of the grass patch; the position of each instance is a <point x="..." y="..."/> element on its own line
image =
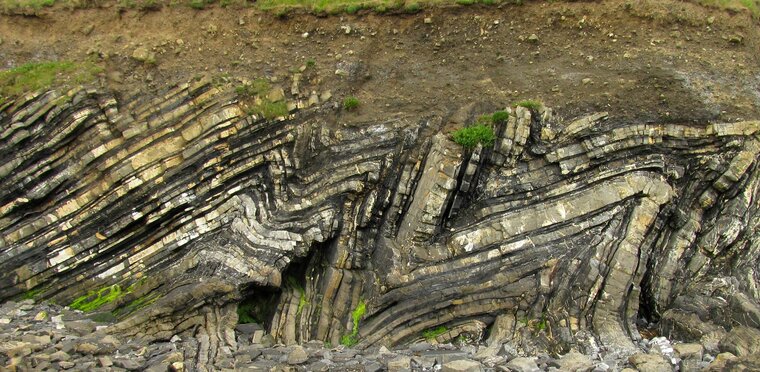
<point x="24" y="6"/>
<point x="258" y="87"/>
<point x="469" y="137"/>
<point x="753" y="6"/>
<point x="352" y="338"/>
<point x="269" y="110"/>
<point x="530" y="104"/>
<point x="434" y="332"/>
<point x="44" y="75"/>
<point x="350" y="103"/>
<point x="499" y="117"/>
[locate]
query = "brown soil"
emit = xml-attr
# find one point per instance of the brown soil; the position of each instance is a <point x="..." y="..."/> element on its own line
<point x="639" y="60"/>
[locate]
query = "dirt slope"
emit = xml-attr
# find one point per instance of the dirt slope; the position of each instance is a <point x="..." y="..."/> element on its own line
<point x="642" y="60"/>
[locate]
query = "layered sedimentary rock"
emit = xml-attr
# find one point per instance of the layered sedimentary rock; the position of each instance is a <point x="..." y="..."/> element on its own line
<point x="170" y="212"/>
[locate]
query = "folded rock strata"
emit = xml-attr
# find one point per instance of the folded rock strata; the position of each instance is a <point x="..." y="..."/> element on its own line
<point x="169" y="212"/>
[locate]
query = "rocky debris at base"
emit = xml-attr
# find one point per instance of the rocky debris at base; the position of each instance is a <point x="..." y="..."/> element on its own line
<point x="46" y="337"/>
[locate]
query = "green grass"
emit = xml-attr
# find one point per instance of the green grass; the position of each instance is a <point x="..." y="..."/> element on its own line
<point x="737" y="5"/>
<point x="269" y="110"/>
<point x="44" y="75"/>
<point x="350" y="103"/>
<point x="499" y="117"/>
<point x="24" y="6"/>
<point x="352" y="338"/>
<point x="530" y="104"/>
<point x="434" y="332"/>
<point x="282" y="8"/>
<point x="259" y="87"/>
<point x="469" y="137"/>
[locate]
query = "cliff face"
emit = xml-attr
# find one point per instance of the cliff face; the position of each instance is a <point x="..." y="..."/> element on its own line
<point x="171" y="212"/>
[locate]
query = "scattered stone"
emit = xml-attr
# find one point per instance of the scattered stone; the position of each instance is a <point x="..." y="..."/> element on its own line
<point x="267" y="341"/>
<point x="741" y="341"/>
<point x="276" y="94"/>
<point x="462" y="366"/>
<point x="42" y="315"/>
<point x="586" y="81"/>
<point x="399" y="364"/>
<point x="575" y="361"/>
<point x="177" y="367"/>
<point x="128" y="364"/>
<point x="428" y="20"/>
<point x="105" y="361"/>
<point x="689" y="351"/>
<point x="736" y="38"/>
<point x="87" y="30"/>
<point x="297" y="355"/>
<point x="720" y="361"/>
<point x="533" y="38"/>
<point x="650" y="362"/>
<point x="523" y="364"/>
<point x="142" y="54"/>
<point x="59" y="356"/>
<point x="66" y="365"/>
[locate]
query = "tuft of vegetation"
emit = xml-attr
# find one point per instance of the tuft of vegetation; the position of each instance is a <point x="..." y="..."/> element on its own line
<point x="499" y="117"/>
<point x="465" y="2"/>
<point x="28" y="7"/>
<point x="44" y="75"/>
<point x="434" y="332"/>
<point x="311" y="62"/>
<point x="258" y="87"/>
<point x="350" y="103"/>
<point x="469" y="137"/>
<point x="412" y="8"/>
<point x="530" y="104"/>
<point x="352" y="338"/>
<point x="198" y="4"/>
<point x="269" y="110"/>
<point x="753" y="6"/>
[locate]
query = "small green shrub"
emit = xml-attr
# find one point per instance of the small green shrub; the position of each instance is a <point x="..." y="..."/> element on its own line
<point x="530" y="104"/>
<point x="465" y="2"/>
<point x="350" y="103"/>
<point x="500" y="117"/>
<point x="434" y="332"/>
<point x="469" y="137"/>
<point x="311" y="62"/>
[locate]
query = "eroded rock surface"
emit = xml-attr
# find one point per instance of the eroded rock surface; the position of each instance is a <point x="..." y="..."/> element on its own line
<point x="167" y="213"/>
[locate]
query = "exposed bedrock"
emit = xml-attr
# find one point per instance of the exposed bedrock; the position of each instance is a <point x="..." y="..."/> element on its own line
<point x="169" y="212"/>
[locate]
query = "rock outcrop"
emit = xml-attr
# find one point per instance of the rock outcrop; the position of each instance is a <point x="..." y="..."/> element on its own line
<point x="170" y="212"/>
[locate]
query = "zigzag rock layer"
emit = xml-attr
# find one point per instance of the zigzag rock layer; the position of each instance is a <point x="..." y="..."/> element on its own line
<point x="174" y="213"/>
